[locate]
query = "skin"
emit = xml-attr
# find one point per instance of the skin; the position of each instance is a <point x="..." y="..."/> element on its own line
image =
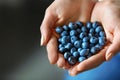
<point x="64" y="11"/>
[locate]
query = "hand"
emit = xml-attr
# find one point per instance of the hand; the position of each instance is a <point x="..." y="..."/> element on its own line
<point x="58" y="13"/>
<point x="108" y="13"/>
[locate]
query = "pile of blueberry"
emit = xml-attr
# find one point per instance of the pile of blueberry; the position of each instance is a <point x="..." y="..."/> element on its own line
<point x="79" y="41"/>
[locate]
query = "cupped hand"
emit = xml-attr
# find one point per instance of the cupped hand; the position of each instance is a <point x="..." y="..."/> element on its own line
<point x="108" y="13"/>
<point x="58" y="13"/>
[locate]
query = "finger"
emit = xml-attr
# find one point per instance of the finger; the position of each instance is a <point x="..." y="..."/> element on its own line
<point x="114" y="47"/>
<point x="61" y="61"/>
<point x="52" y="50"/>
<point x="47" y="25"/>
<point x="89" y="63"/>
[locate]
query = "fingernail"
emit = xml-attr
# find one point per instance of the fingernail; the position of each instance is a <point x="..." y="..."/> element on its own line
<point x="109" y="56"/>
<point x="42" y="40"/>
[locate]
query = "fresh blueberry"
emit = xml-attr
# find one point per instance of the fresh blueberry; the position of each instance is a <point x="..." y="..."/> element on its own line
<point x="67" y="55"/>
<point x="59" y="40"/>
<point x="89" y="55"/>
<point x="60" y="45"/>
<point x="92" y="45"/>
<point x="82" y="34"/>
<point x="84" y="29"/>
<point x="99" y="46"/>
<point x="76" y="54"/>
<point x="65" y="40"/>
<point x="72" y="50"/>
<point x="86" y="39"/>
<point x="79" y="49"/>
<point x="102" y="33"/>
<point x="72" y="60"/>
<point x="66" y="28"/>
<point x="85" y="45"/>
<point x="95" y="24"/>
<point x="73" y="32"/>
<point x="72" y="26"/>
<point x="78" y="30"/>
<point x="89" y="25"/>
<point x="93" y="40"/>
<point x="73" y="39"/>
<point x="93" y="50"/>
<point x="69" y="46"/>
<point x="90" y="35"/>
<point x="102" y="41"/>
<point x="77" y="43"/>
<point x="62" y="49"/>
<point x="84" y="52"/>
<point x="80" y="24"/>
<point x="98" y="29"/>
<point x="92" y="30"/>
<point x="59" y="29"/>
<point x="64" y="33"/>
<point x="80" y="59"/>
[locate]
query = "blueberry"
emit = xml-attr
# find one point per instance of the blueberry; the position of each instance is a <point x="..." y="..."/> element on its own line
<point x="92" y="30"/>
<point x="59" y="40"/>
<point x="89" y="25"/>
<point x="90" y="34"/>
<point x="60" y="45"/>
<point x="84" y="52"/>
<point x="92" y="45"/>
<point x="73" y="32"/>
<point x="95" y="24"/>
<point x="68" y="46"/>
<point x="81" y="59"/>
<point x="93" y="50"/>
<point x="85" y="45"/>
<point x="72" y="25"/>
<point x="72" y="50"/>
<point x="77" y="44"/>
<point x="83" y="34"/>
<point x="80" y="24"/>
<point x="66" y="28"/>
<point x="79" y="49"/>
<point x="73" y="39"/>
<point x="84" y="29"/>
<point x="99" y="46"/>
<point x="59" y="29"/>
<point x="64" y="33"/>
<point x="65" y="39"/>
<point x="89" y="55"/>
<point x="62" y="49"/>
<point x="102" y="41"/>
<point x="98" y="29"/>
<point x="76" y="54"/>
<point x="72" y="60"/>
<point x="67" y="55"/>
<point x="93" y="40"/>
<point x="86" y="39"/>
<point x="78" y="30"/>
<point x="102" y="33"/>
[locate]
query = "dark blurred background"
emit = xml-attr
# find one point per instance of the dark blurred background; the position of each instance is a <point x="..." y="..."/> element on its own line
<point x="21" y="57"/>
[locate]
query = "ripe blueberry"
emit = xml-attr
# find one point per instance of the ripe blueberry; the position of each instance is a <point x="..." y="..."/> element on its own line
<point x="59" y="29"/>
<point x="72" y="60"/>
<point x="67" y="55"/>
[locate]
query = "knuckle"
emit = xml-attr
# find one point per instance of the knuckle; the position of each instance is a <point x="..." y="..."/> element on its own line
<point x="52" y="61"/>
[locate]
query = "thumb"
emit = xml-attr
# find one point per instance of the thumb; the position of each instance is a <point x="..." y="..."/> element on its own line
<point x="47" y="25"/>
<point x="114" y="48"/>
